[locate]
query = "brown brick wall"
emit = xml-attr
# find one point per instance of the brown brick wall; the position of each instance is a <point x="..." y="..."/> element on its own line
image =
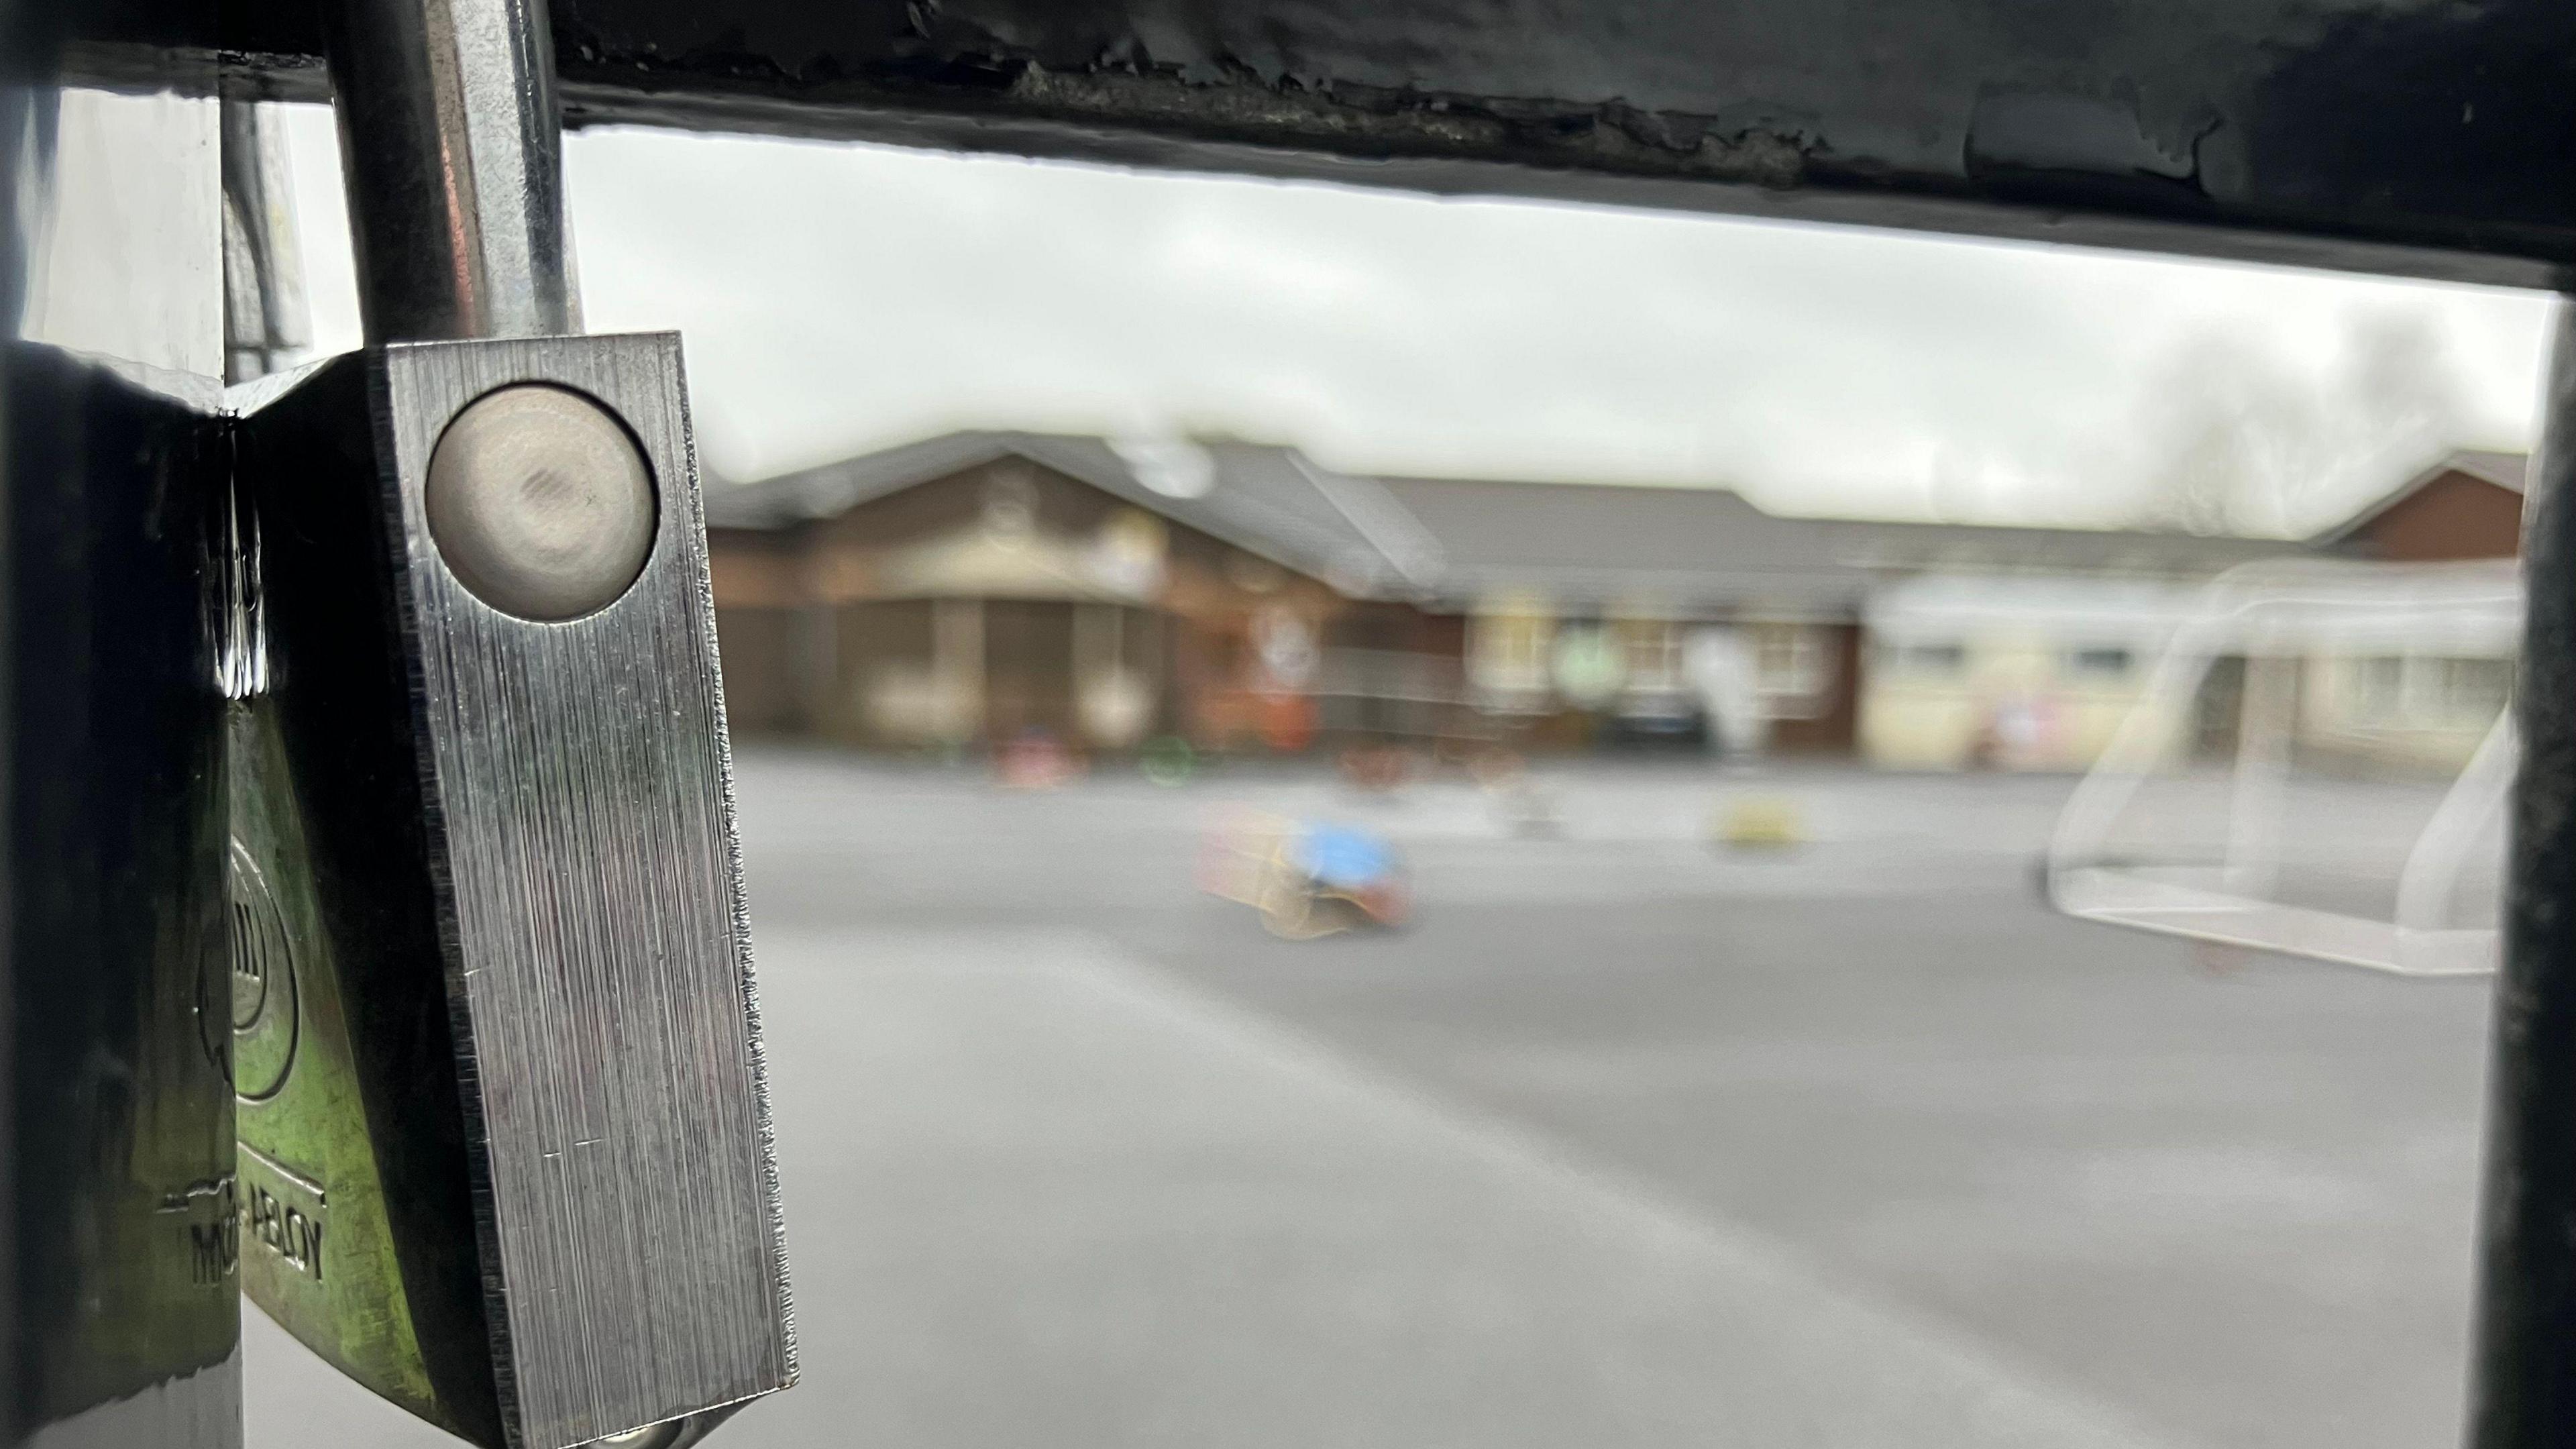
<point x="1211" y="591"/>
<point x="2456" y="516"/>
<point x="753" y="570"/>
<point x="755" y="648"/>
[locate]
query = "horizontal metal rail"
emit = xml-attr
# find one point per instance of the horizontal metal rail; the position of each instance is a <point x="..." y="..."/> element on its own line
<point x="2422" y="137"/>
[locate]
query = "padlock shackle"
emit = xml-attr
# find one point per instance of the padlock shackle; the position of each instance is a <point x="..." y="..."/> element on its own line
<point x="451" y="145"/>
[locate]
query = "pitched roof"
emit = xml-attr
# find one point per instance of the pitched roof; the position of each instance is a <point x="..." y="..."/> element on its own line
<point x="2505" y="470"/>
<point x="1606" y="545"/>
<point x="1990" y="548"/>
<point x="811" y="493"/>
<point x="2510" y="471"/>
<point x="1455" y="540"/>
<point x="1708" y="547"/>
<point x="1270" y="501"/>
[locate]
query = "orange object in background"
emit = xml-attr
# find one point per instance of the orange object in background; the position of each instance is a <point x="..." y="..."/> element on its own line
<point x="1287" y="721"/>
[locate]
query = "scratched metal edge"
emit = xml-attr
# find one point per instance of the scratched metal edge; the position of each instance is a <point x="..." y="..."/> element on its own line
<point x="381" y="406"/>
<point x="703" y="583"/>
<point x="544" y="361"/>
<point x="550" y="360"/>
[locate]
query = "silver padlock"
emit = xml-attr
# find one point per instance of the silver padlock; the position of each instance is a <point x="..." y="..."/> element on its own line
<point x="505" y="1146"/>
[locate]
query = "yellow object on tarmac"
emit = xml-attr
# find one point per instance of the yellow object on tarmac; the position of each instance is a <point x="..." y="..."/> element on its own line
<point x="1765" y="821"/>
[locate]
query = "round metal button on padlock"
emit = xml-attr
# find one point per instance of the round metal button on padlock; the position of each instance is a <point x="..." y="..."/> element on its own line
<point x="540" y="502"/>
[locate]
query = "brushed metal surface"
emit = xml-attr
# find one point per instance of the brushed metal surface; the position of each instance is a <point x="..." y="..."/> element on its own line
<point x="590" y="908"/>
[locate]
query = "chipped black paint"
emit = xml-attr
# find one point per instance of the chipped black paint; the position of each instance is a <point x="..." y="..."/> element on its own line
<point x="2415" y="136"/>
<point x="2215" y="125"/>
<point x="2465" y="113"/>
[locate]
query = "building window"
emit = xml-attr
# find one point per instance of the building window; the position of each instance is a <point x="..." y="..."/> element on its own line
<point x="2420" y="692"/>
<point x="1654" y="655"/>
<point x="1931" y="661"/>
<point x="2383" y="689"/>
<point x="1788" y="661"/>
<point x="1511" y="651"/>
<point x="2475" y="689"/>
<point x="2100" y="662"/>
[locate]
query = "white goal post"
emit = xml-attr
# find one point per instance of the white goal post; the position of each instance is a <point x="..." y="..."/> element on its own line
<point x="2284" y="620"/>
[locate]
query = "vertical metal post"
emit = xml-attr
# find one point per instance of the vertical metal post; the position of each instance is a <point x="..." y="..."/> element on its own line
<point x="2523" y="1376"/>
<point x="452" y="143"/>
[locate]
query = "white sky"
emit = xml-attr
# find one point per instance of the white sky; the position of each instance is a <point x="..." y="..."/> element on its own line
<point x="838" y="298"/>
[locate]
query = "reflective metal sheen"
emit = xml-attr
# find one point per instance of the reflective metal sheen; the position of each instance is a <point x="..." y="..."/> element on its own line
<point x="265" y="316"/>
<point x="503" y="1115"/>
<point x="452" y="145"/>
<point x="119" y="1309"/>
<point x="540" y="503"/>
<point x="600" y="952"/>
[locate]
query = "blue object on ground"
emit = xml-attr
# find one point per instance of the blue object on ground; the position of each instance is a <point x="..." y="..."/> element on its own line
<point x="1342" y="857"/>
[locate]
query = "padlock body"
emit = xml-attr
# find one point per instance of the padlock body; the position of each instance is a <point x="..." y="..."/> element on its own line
<point x="505" y="1141"/>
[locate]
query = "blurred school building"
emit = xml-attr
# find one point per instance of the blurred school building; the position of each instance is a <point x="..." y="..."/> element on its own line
<point x="978" y="588"/>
